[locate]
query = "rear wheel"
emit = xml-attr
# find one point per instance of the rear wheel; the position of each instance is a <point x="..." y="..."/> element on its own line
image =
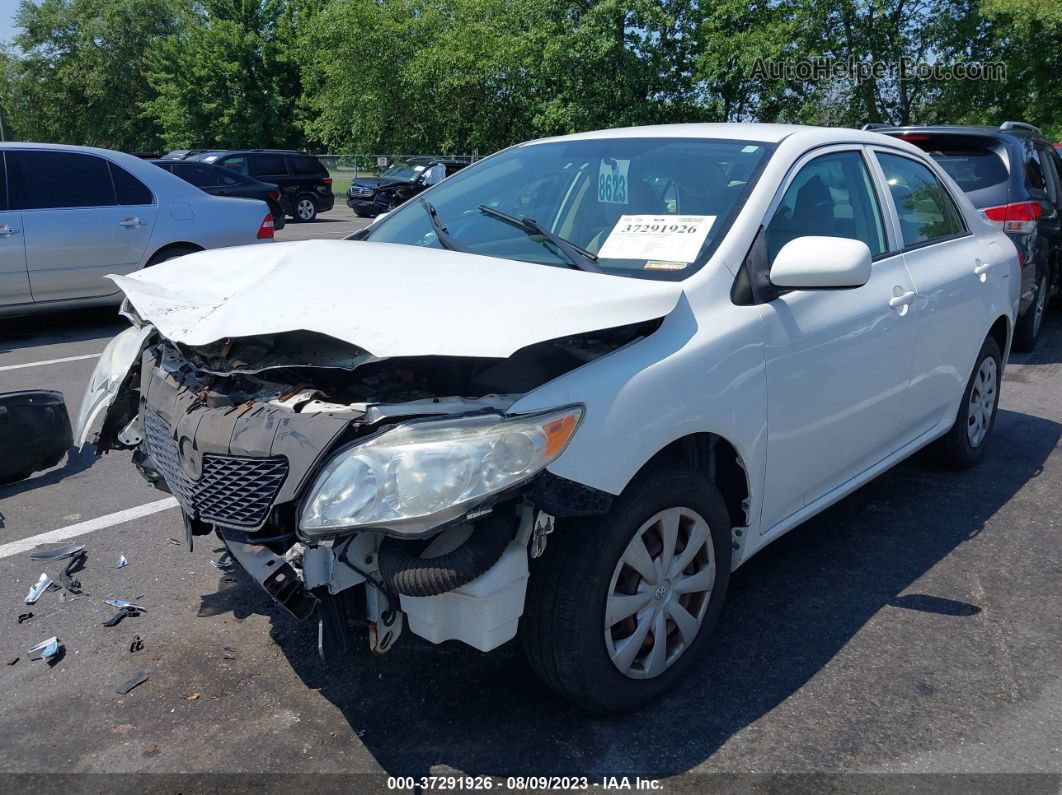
<point x="619" y="607"/>
<point x="1027" y="329"/>
<point x="965" y="443"/>
<point x="305" y="209"/>
<point x="171" y="252"/>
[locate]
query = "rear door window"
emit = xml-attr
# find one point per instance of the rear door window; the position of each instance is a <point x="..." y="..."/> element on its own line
<point x="306" y="167"/>
<point x="926" y="210"/>
<point x="237" y="164"/>
<point x="129" y="190"/>
<point x="268" y="166"/>
<point x="45" y="180"/>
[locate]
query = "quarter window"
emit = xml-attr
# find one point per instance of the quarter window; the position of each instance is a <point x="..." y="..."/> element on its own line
<point x="238" y="164"/>
<point x="268" y="165"/>
<point x="831" y="196"/>
<point x="925" y="208"/>
<point x="305" y="167"/>
<point x="42" y="179"/>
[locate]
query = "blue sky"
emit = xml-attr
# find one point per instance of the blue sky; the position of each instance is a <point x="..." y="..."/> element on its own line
<point x="7" y="14"/>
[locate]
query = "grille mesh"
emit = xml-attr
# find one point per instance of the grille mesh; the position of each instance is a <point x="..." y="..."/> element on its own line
<point x="234" y="491"/>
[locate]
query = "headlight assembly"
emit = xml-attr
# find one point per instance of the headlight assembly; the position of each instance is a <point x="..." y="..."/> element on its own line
<point x="423" y="474"/>
<point x="111" y="369"/>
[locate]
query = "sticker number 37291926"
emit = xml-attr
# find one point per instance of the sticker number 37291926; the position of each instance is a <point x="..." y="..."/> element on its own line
<point x="676" y="238"/>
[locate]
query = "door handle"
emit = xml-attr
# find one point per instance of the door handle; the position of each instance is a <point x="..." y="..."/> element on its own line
<point x="8" y="230"/>
<point x="131" y="222"/>
<point x="902" y="300"/>
<point x="981" y="269"/>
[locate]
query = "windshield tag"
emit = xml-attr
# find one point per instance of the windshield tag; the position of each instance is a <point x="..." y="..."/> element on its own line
<point x="612" y="181"/>
<point x="666" y="238"/>
<point x="663" y="265"/>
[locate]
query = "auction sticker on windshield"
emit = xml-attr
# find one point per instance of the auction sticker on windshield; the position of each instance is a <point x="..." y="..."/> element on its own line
<point x="674" y="238"/>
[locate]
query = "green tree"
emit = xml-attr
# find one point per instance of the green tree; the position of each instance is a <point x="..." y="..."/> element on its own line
<point x="228" y="76"/>
<point x="77" y="71"/>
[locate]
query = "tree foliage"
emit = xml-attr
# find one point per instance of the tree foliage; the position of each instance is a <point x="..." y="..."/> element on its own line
<point x="463" y="75"/>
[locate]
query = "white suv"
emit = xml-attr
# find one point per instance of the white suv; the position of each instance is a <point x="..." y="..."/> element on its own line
<point x="568" y="390"/>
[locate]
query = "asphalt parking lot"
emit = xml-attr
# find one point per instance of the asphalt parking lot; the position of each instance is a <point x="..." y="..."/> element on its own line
<point x="337" y="223"/>
<point x="913" y="627"/>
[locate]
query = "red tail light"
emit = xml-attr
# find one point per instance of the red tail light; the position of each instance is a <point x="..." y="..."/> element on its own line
<point x="274" y="195"/>
<point x="1019" y="218"/>
<point x="265" y="231"/>
<point x="914" y="137"/>
<point x="328" y="181"/>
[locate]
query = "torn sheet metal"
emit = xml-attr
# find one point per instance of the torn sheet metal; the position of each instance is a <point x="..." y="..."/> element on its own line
<point x="120" y="603"/>
<point x="43" y="583"/>
<point x="46" y="650"/>
<point x="389" y="300"/>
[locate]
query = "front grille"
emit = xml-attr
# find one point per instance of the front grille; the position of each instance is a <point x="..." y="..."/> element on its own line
<point x="234" y="491"/>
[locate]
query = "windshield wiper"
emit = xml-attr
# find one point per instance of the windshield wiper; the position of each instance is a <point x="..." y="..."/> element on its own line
<point x="441" y="234"/>
<point x="577" y="256"/>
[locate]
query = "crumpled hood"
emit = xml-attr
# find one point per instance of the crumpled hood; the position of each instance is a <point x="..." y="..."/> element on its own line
<point x="388" y="299"/>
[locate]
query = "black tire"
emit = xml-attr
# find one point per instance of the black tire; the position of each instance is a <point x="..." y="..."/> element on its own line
<point x="363" y="214"/>
<point x="1027" y="329"/>
<point x="173" y="252"/>
<point x="563" y="626"/>
<point x="955" y="449"/>
<point x="304" y="209"/>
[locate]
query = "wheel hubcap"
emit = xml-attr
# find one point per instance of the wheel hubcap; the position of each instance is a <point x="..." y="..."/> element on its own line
<point x="659" y="593"/>
<point x="305" y="209"/>
<point x="982" y="402"/>
<point x="1041" y="304"/>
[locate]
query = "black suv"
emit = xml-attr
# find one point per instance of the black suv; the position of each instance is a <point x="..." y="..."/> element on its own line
<point x="370" y="196"/>
<point x="304" y="183"/>
<point x="1014" y="177"/>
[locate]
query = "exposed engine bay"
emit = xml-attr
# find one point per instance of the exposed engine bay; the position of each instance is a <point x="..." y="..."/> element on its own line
<point x="240" y="429"/>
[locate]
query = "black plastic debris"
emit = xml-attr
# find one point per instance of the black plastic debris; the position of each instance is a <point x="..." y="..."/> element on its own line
<point x="123" y="612"/>
<point x="13" y="660"/>
<point x="24" y="617"/>
<point x="136" y="645"/>
<point x="135" y="680"/>
<point x="77" y="562"/>
<point x="228" y="653"/>
<point x="56" y="553"/>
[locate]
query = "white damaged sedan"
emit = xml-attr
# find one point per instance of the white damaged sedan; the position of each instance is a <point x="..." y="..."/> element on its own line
<point x="567" y="391"/>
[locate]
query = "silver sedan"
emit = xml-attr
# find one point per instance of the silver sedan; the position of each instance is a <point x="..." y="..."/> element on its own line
<point x="71" y="215"/>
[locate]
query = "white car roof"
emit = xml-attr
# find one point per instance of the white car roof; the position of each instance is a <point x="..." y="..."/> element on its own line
<point x="766" y="133"/>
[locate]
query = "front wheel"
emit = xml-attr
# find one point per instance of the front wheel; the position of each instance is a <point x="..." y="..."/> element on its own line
<point x="619" y="607"/>
<point x="305" y="209"/>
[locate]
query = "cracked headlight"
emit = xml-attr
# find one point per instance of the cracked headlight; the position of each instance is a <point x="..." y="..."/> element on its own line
<point x="423" y="474"/>
<point x="111" y="369"/>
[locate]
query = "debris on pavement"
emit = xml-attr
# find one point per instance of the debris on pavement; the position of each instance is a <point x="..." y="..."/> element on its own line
<point x="228" y="653"/>
<point x="151" y="749"/>
<point x="122" y="563"/>
<point x="135" y="680"/>
<point x="13" y="660"/>
<point x="136" y="645"/>
<point x="125" y="610"/>
<point x="76" y="563"/>
<point x="176" y="542"/>
<point x="38" y="588"/>
<point x="224" y="563"/>
<point x="47" y="650"/>
<point x="24" y="617"/>
<point x="56" y="553"/>
<point x="193" y="696"/>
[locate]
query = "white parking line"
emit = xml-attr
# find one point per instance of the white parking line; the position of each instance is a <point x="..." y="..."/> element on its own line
<point x="81" y="528"/>
<point x="50" y="361"/>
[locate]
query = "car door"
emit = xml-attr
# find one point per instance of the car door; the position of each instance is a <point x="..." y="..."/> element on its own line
<point x="838" y="362"/>
<point x="14" y="279"/>
<point x="954" y="275"/>
<point x="83" y="218"/>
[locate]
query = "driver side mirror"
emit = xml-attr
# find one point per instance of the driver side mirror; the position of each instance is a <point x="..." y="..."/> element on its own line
<point x="821" y="263"/>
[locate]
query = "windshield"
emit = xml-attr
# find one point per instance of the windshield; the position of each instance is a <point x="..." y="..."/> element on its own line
<point x="645" y="207"/>
<point x="406" y="172"/>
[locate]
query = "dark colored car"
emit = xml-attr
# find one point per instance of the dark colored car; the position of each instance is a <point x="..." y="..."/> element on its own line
<point x="1014" y="177"/>
<point x="370" y="196"/>
<point x="305" y="186"/>
<point x="181" y="154"/>
<point x="219" y="181"/>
